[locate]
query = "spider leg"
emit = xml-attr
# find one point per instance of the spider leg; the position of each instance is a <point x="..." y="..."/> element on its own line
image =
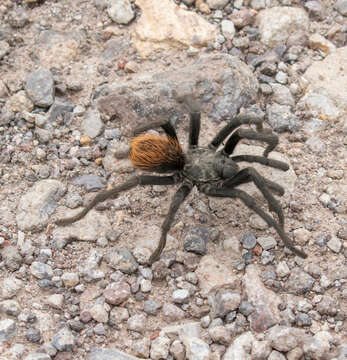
<point x="250" y="203"/>
<point x="194" y="128"/>
<point x="233" y="124"/>
<point x="265" y="135"/>
<point x="261" y="160"/>
<point x="250" y="174"/>
<point x="177" y="200"/>
<point x="132" y="182"/>
<point x="166" y="126"/>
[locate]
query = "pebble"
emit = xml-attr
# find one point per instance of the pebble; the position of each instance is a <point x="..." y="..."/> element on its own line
<point x="121" y="259"/>
<point x="56" y="301"/>
<point x="91" y="182"/>
<point x="39" y="86"/>
<point x="180" y="296"/>
<point x="7" y="329"/>
<point x="92" y="124"/>
<point x="281" y="118"/>
<point x="196" y="240"/>
<point x="267" y="242"/>
<point x="228" y="29"/>
<point x="341" y="7"/>
<point x="137" y="323"/>
<point x="63" y="340"/>
<point x="160" y="348"/>
<point x="98" y="313"/>
<point x="120" y="11"/>
<point x="151" y="307"/>
<point x="177" y="350"/>
<point x="299" y="282"/>
<point x="282" y="269"/>
<point x="70" y="279"/>
<point x="172" y="313"/>
<point x="18" y="18"/>
<point x="248" y="240"/>
<point x="334" y="244"/>
<point x="37" y="356"/>
<point x="41" y="270"/>
<point x="223" y="301"/>
<point x="33" y="335"/>
<point x="196" y="348"/>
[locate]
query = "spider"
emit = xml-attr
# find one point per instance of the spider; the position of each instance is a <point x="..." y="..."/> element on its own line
<point x="213" y="171"/>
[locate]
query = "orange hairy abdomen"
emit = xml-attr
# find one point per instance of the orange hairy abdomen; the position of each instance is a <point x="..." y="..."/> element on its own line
<point x="156" y="153"/>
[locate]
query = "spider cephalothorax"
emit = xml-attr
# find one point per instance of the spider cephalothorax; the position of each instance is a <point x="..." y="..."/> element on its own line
<point x="212" y="170"/>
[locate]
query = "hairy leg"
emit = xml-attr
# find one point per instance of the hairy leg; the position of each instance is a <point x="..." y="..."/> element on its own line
<point x="131" y="183"/>
<point x="233" y="124"/>
<point x="265" y="135"/>
<point x="177" y="200"/>
<point x="250" y="174"/>
<point x="166" y="126"/>
<point x="261" y="160"/>
<point x="250" y="203"/>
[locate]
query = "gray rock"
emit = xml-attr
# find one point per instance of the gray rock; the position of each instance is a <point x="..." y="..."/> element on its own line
<point x="196" y="239"/>
<point x="341" y="7"/>
<point x="10" y="287"/>
<point x="172" y="313"/>
<point x="109" y="354"/>
<point x="276" y="24"/>
<point x="121" y="259"/>
<point x="261" y="349"/>
<point x="316" y="8"/>
<point x="91" y="182"/>
<point x="248" y="240"/>
<point x="56" y="301"/>
<point x="224" y="74"/>
<point x="177" y="350"/>
<point x="319" y="104"/>
<point x="282" y="95"/>
<point x="319" y="347"/>
<point x="151" y="307"/>
<point x="92" y="124"/>
<point x="223" y="301"/>
<point x="4" y="48"/>
<point x="10" y="307"/>
<point x="196" y="349"/>
<point x="334" y="244"/>
<point x="63" y="340"/>
<point x="137" y="323"/>
<point x="99" y="329"/>
<point x="92" y="227"/>
<point x="33" y="335"/>
<point x="180" y="296"/>
<point x="284" y="338"/>
<point x="281" y="118"/>
<point x="6" y="116"/>
<point x="228" y="29"/>
<point x="246" y="308"/>
<point x="267" y="243"/>
<point x="12" y="258"/>
<point x="220" y="335"/>
<point x="240" y="347"/>
<point x="299" y="282"/>
<point x="327" y="306"/>
<point x="99" y="313"/>
<point x="41" y="270"/>
<point x="39" y="86"/>
<point x="303" y="319"/>
<point x="160" y="348"/>
<point x="38" y="204"/>
<point x="120" y="11"/>
<point x="7" y="330"/>
<point x="265" y="301"/>
<point x="117" y="293"/>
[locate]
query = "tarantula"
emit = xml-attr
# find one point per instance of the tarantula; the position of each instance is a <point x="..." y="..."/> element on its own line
<point x="214" y="172"/>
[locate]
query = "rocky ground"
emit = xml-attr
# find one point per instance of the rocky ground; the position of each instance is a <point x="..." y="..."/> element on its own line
<point x="75" y="77"/>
